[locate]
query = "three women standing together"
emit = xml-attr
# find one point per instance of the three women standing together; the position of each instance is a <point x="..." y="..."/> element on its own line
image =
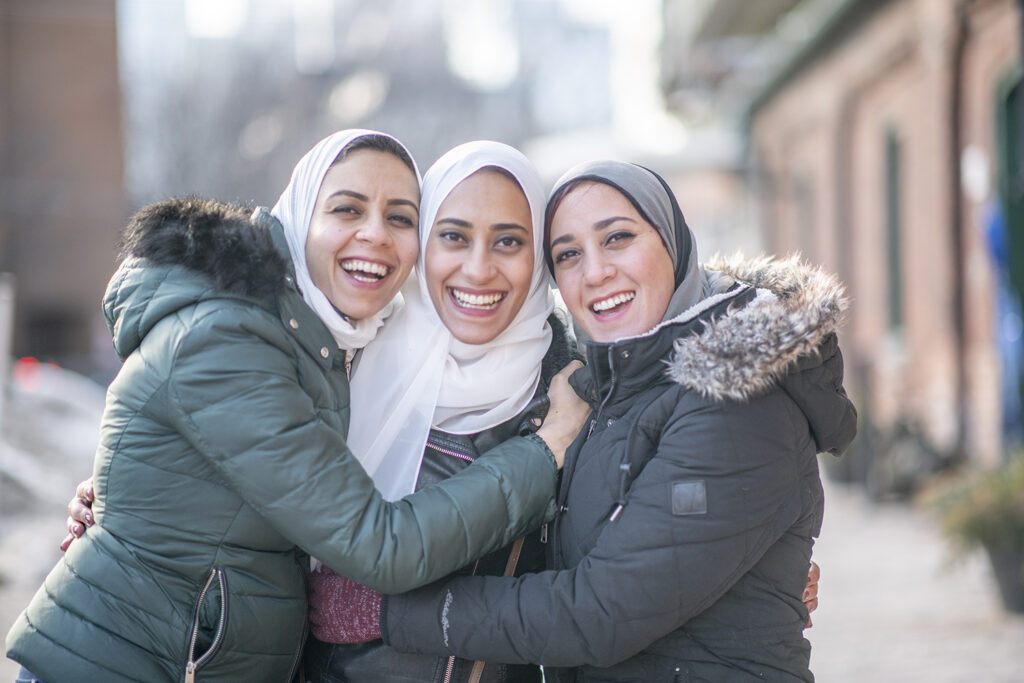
<point x="690" y="499"/>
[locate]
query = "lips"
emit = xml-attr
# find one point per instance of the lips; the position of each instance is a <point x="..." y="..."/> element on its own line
<point x="612" y="302"/>
<point x="478" y="302"/>
<point x="365" y="271"/>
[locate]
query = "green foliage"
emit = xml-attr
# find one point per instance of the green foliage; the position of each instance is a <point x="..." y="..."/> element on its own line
<point x="988" y="508"/>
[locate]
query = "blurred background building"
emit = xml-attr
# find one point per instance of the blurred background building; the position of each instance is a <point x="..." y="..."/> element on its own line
<point x="883" y="140"/>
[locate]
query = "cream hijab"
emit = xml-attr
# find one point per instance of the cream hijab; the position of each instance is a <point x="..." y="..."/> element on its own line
<point x="295" y="209"/>
<point x="416" y="375"/>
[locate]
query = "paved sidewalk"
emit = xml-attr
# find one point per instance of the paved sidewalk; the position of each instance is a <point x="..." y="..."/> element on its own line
<point x="897" y="606"/>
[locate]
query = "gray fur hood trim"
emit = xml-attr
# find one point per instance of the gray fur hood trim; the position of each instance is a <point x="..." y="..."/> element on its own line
<point x="747" y="351"/>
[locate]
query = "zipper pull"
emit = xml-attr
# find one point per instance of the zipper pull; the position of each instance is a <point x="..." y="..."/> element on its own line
<point x="190" y="672"/>
<point x="544" y="533"/>
<point x="593" y="423"/>
<point x="623" y="473"/>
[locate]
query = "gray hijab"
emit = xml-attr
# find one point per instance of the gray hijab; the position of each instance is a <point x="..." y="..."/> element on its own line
<point x="653" y="198"/>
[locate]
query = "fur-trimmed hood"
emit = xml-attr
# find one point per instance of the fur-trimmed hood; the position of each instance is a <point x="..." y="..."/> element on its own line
<point x="178" y="252"/>
<point x="747" y="351"/>
<point x="765" y="324"/>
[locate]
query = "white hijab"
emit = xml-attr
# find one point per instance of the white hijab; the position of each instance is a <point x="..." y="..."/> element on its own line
<point x="295" y="209"/>
<point x="416" y="375"/>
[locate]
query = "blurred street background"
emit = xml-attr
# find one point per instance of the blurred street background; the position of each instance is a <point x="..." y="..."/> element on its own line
<point x="882" y="139"/>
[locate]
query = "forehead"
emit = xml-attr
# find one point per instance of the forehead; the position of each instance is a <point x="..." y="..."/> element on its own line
<point x="371" y="167"/>
<point x="591" y="201"/>
<point x="485" y="179"/>
<point x="486" y="190"/>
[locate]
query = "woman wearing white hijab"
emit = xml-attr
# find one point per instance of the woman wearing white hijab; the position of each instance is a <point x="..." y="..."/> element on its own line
<point x="223" y="451"/>
<point x="451" y="373"/>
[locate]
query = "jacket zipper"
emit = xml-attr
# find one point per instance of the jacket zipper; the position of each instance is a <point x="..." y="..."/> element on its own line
<point x="448" y="671"/>
<point x="447" y="451"/>
<point x="567" y="473"/>
<point x="193" y="664"/>
<point x="298" y="654"/>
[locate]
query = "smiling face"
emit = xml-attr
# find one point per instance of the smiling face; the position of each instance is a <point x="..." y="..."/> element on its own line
<point x="611" y="267"/>
<point x="363" y="239"/>
<point x="479" y="256"/>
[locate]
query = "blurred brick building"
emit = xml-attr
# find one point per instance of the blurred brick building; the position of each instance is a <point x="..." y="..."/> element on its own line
<point x="61" y="199"/>
<point x="885" y="144"/>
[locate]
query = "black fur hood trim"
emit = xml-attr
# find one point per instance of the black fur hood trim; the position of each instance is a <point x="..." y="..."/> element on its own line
<point x="211" y="237"/>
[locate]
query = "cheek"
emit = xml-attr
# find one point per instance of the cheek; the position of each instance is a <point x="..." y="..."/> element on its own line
<point x="661" y="279"/>
<point x="408" y="248"/>
<point x="567" y="287"/>
<point x="316" y="253"/>
<point x="522" y="274"/>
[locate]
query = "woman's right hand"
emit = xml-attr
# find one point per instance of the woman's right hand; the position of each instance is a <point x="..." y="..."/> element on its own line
<point x="79" y="513"/>
<point x="566" y="415"/>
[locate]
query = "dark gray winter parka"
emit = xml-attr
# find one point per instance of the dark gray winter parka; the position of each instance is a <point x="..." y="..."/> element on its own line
<point x="222" y="457"/>
<point x="688" y="509"/>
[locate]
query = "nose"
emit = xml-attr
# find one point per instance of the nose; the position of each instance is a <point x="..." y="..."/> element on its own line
<point x="479" y="266"/>
<point x="597" y="270"/>
<point x="374" y="229"/>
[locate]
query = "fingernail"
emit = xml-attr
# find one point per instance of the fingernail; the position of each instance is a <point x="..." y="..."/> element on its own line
<point x="807" y="595"/>
<point x="88" y="517"/>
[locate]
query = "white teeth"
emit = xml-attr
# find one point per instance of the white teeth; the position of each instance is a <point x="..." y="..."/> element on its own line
<point x="612" y="302"/>
<point x="481" y="301"/>
<point x="365" y="271"/>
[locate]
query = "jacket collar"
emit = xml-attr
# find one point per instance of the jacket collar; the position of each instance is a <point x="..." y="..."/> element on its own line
<point x="298" y="318"/>
<point x="733" y="345"/>
<point x="621" y="369"/>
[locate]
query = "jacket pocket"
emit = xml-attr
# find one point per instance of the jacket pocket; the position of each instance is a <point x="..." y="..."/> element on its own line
<point x="202" y="646"/>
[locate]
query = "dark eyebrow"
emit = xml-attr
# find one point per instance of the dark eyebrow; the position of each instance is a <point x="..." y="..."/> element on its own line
<point x="508" y="226"/>
<point x="349" y="193"/>
<point x="458" y="222"/>
<point x="600" y="225"/>
<point x="605" y="222"/>
<point x="363" y="198"/>
<point x="404" y="202"/>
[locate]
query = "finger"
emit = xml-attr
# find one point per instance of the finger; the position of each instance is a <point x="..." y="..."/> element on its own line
<point x="809" y="622"/>
<point x="810" y="591"/>
<point x="80" y="512"/>
<point x="572" y="367"/>
<point x="66" y="543"/>
<point x="75" y="528"/>
<point x="811" y="604"/>
<point x="814" y="575"/>
<point x="85" y="491"/>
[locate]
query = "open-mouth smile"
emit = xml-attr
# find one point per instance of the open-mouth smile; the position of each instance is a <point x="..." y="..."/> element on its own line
<point x="612" y="303"/>
<point x="476" y="302"/>
<point x="365" y="271"/>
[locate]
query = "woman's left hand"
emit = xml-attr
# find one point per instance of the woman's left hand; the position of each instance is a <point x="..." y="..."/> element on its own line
<point x="811" y="590"/>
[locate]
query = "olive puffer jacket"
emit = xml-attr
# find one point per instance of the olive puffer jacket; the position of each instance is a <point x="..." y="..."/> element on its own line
<point x="222" y="462"/>
<point x="688" y="507"/>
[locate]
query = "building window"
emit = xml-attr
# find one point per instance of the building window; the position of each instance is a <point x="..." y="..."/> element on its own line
<point x="893" y="229"/>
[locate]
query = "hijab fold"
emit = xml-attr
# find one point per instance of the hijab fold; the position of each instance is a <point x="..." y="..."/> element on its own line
<point x="294" y="209"/>
<point x="416" y="375"/>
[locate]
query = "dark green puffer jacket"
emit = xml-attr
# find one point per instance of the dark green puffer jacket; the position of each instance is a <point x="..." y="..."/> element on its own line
<point x="688" y="507"/>
<point x="222" y="462"/>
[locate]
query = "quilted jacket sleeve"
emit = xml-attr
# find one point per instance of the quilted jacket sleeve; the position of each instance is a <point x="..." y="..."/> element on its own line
<point x="668" y="555"/>
<point x="236" y="396"/>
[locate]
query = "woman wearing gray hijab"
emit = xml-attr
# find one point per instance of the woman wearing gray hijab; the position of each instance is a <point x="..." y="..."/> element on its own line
<point x="690" y="501"/>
